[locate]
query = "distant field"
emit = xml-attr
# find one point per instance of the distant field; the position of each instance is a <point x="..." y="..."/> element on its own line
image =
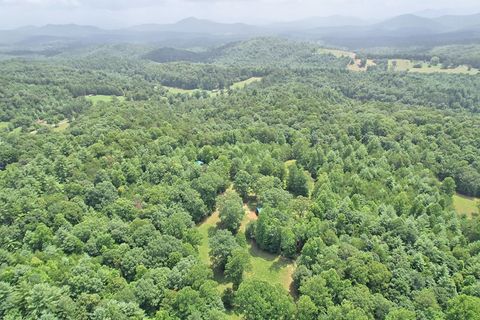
<point x="180" y="91"/>
<point x="101" y="98"/>
<point x="265" y="266"/>
<point x="356" y="66"/>
<point x="408" y="65"/>
<point x="236" y="85"/>
<point x="337" y="53"/>
<point x="466" y="205"/>
<point x="244" y="83"/>
<point x="349" y="54"/>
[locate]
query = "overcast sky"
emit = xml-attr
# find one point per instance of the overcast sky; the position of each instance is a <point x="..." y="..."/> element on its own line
<point x="117" y="13"/>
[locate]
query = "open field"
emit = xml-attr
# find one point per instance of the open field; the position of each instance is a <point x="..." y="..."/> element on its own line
<point x="408" y="65"/>
<point x="356" y="65"/>
<point x="466" y="205"/>
<point x="244" y="83"/>
<point x="349" y="54"/>
<point x="101" y="98"/>
<point x="337" y="53"/>
<point x="174" y="90"/>
<point x="236" y="85"/>
<point x="265" y="266"/>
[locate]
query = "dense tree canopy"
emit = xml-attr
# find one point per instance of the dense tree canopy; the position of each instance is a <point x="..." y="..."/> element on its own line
<point x="353" y="175"/>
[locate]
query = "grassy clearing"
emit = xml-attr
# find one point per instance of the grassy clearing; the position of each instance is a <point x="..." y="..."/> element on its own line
<point x="236" y="85"/>
<point x="466" y="205"/>
<point x="265" y="266"/>
<point x="425" y="67"/>
<point x="173" y="90"/>
<point x="204" y="229"/>
<point x="101" y="98"/>
<point x="3" y="125"/>
<point x="356" y="66"/>
<point x="244" y="83"/>
<point x="337" y="53"/>
<point x="61" y="126"/>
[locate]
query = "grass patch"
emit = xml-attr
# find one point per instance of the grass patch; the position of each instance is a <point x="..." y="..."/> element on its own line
<point x="101" y="98"/>
<point x="337" y="53"/>
<point x="244" y="83"/>
<point x="466" y="205"/>
<point x="61" y="126"/>
<point x="180" y="90"/>
<point x="236" y="85"/>
<point x="173" y="90"/>
<point x="204" y="229"/>
<point x="3" y="125"/>
<point x="265" y="266"/>
<point x="356" y="65"/>
<point x="406" y="65"/>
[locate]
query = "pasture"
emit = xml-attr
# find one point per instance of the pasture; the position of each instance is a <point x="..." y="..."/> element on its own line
<point x="406" y="65"/>
<point x="244" y="83"/>
<point x="357" y="65"/>
<point x="102" y="98"/>
<point x="337" y="53"/>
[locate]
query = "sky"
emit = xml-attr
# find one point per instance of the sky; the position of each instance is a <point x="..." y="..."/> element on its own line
<point x="121" y="13"/>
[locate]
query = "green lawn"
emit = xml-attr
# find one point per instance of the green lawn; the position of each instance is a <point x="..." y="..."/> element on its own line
<point x="244" y="83"/>
<point x="101" y="98"/>
<point x="465" y="205"/>
<point x="408" y="65"/>
<point x="204" y="228"/>
<point x="265" y="266"/>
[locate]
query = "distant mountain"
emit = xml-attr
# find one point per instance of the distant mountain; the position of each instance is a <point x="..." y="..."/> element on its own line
<point x="319" y="22"/>
<point x="346" y="31"/>
<point x="404" y="30"/>
<point x="194" y="25"/>
<point x="408" y="22"/>
<point x="453" y="22"/>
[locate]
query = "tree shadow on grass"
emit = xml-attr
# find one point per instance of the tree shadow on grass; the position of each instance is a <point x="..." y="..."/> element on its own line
<point x="280" y="264"/>
<point x="256" y="252"/>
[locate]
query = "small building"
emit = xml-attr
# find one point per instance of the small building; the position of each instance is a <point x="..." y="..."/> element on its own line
<point x="258" y="210"/>
<point x="199" y="162"/>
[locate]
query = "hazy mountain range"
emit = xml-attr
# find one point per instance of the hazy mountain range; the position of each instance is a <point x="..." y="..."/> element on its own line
<point x="336" y="30"/>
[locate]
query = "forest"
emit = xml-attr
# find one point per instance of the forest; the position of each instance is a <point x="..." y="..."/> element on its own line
<point x="109" y="178"/>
